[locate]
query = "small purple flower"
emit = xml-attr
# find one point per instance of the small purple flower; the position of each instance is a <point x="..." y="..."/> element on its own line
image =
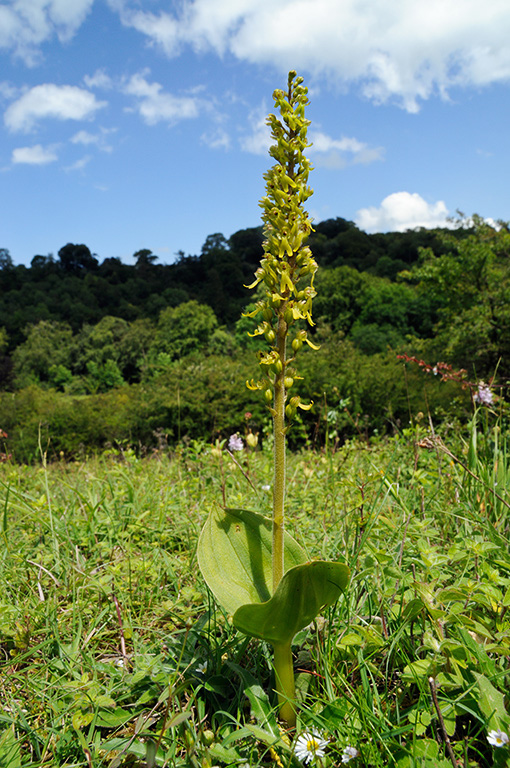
<point x="484" y="395"/>
<point x="235" y="443"/>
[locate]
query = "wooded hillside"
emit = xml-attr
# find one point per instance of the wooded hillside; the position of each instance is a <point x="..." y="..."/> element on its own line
<point x="94" y="352"/>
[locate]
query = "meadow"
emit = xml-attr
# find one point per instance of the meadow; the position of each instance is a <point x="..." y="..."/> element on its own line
<point x="386" y="619"/>
<point x="113" y="653"/>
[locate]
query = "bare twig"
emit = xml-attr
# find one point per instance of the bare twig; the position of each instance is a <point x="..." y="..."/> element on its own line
<point x="42" y="568"/>
<point x="444" y="734"/>
<point x="248" y="478"/>
<point x="121" y="631"/>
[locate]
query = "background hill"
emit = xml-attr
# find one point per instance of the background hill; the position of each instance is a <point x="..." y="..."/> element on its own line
<point x="164" y="348"/>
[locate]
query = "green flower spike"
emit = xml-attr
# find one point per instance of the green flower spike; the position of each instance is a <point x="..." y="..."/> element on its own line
<point x="253" y="567"/>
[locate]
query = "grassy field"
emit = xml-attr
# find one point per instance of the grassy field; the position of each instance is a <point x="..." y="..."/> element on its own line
<point x="114" y="654"/>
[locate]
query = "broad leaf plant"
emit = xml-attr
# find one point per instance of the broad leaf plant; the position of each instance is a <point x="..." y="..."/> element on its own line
<point x="254" y="568"/>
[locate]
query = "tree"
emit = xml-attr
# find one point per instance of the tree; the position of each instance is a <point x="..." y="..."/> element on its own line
<point x="5" y="360"/>
<point x="144" y="258"/>
<point x="5" y="259"/>
<point x="41" y="263"/>
<point x="339" y="298"/>
<point x="47" y="344"/>
<point x="223" y="288"/>
<point x="471" y="285"/>
<point x="134" y="347"/>
<point x="100" y="342"/>
<point x="101" y="378"/>
<point x="246" y="244"/>
<point x="77" y="259"/>
<point x="182" y="330"/>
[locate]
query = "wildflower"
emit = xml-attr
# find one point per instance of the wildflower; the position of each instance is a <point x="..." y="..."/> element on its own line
<point x="252" y="439"/>
<point x="309" y="746"/>
<point x="235" y="443"/>
<point x="266" y="488"/>
<point x="498" y="738"/>
<point x="349" y="753"/>
<point x="484" y="395"/>
<point x="217" y="449"/>
<point x="201" y="668"/>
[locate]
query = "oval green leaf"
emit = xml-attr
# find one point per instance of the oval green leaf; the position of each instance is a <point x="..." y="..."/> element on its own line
<point x="301" y="595"/>
<point x="234" y="555"/>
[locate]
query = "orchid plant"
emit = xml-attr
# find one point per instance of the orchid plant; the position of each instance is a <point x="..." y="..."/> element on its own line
<point x="254" y="568"/>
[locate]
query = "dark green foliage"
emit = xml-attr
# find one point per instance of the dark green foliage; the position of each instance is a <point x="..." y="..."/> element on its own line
<point x="77" y="289"/>
<point x="182" y="330"/>
<point x="200" y="397"/>
<point x="76" y="259"/>
<point x="470" y="282"/>
<point x="37" y="419"/>
<point x="48" y="344"/>
<point x="90" y="330"/>
<point x="5" y="259"/>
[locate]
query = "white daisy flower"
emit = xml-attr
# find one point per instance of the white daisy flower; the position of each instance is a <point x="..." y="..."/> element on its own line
<point x="349" y="753"/>
<point x="498" y="738"/>
<point x="309" y="746"/>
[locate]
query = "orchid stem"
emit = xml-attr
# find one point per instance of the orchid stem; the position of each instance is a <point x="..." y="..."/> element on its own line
<point x="284" y="674"/>
<point x="279" y="461"/>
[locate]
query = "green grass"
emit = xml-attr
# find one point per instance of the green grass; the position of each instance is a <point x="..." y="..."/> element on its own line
<point x="113" y="653"/>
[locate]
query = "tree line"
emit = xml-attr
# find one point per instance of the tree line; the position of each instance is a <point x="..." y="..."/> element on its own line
<point x="149" y="349"/>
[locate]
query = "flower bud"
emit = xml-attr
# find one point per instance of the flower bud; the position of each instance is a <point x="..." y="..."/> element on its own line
<point x="252" y="440"/>
<point x="290" y="411"/>
<point x="207" y="737"/>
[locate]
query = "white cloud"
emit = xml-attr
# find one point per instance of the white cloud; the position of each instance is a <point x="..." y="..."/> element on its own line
<point x="98" y="139"/>
<point x="401" y="211"/>
<point x="259" y="140"/>
<point x="36" y="155"/>
<point x="62" y="102"/>
<point x="162" y="30"/>
<point x="84" y="137"/>
<point x="79" y="164"/>
<point x="98" y="80"/>
<point x="26" y="24"/>
<point x="155" y="105"/>
<point x="402" y="50"/>
<point x="217" y="138"/>
<point x="8" y="91"/>
<point x="325" y="151"/>
<point x="337" y="153"/>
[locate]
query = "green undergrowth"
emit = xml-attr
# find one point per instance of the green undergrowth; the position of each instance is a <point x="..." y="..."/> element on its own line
<point x="113" y="653"/>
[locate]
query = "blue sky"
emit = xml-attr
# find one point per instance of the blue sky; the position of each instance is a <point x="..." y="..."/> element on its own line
<point x="130" y="124"/>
